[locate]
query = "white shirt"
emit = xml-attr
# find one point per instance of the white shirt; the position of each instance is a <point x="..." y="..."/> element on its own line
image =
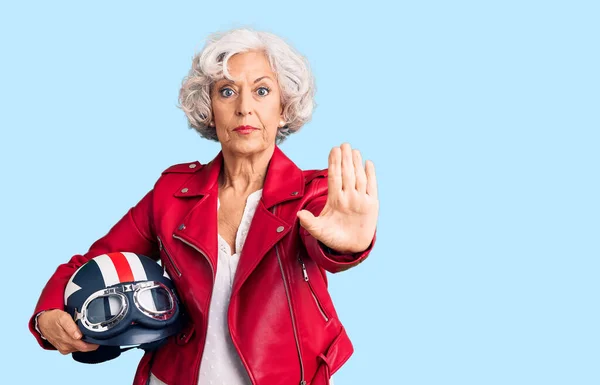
<point x="221" y="364"/>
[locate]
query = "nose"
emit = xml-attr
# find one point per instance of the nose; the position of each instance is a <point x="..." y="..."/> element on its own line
<point x="244" y="105"/>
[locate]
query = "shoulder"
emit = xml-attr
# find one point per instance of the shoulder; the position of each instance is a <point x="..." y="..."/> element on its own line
<point x="176" y="174"/>
<point x="183" y="168"/>
<point x="315" y="182"/>
<point x="311" y="175"/>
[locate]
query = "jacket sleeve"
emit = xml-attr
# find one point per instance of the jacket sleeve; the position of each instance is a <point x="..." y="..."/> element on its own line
<point x="134" y="233"/>
<point x="331" y="260"/>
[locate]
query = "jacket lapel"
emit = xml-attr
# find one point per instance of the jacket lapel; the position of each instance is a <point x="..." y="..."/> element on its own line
<point x="199" y="227"/>
<point x="284" y="181"/>
<point x="266" y="229"/>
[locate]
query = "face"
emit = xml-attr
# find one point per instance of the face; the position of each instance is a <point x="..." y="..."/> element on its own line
<point x="252" y="99"/>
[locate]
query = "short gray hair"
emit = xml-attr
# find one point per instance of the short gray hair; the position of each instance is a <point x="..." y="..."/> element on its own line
<point x="293" y="73"/>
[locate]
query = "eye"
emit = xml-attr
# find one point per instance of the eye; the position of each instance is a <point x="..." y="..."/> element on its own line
<point x="263" y="91"/>
<point x="226" y="92"/>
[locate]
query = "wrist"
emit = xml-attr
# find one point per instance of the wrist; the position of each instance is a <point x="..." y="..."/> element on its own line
<point x="329" y="250"/>
<point x="36" y="324"/>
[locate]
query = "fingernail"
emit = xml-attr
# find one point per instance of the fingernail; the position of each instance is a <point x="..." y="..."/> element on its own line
<point x="77" y="335"/>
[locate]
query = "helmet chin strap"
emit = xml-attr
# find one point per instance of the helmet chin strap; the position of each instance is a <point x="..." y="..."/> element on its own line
<point x="105" y="353"/>
<point x="102" y="354"/>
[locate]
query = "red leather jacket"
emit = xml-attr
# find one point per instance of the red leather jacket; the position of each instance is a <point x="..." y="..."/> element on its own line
<point x="281" y="318"/>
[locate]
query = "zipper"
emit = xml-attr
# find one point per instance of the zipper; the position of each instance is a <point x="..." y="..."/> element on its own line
<point x="312" y="291"/>
<point x="197" y="363"/>
<point x="162" y="247"/>
<point x="287" y="294"/>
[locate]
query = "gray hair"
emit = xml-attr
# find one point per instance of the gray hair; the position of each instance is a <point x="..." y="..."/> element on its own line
<point x="293" y="73"/>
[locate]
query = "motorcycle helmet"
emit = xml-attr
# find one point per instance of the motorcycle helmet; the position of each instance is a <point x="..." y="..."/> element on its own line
<point x="122" y="299"/>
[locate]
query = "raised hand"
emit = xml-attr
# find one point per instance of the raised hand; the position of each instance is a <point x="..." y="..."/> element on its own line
<point x="347" y="222"/>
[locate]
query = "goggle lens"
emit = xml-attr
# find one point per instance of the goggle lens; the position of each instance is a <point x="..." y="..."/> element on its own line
<point x="104" y="308"/>
<point x="155" y="299"/>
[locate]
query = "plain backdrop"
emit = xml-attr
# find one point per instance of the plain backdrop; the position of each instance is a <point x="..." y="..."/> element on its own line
<point x="482" y="119"/>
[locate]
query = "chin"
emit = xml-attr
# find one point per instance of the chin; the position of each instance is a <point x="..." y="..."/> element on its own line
<point x="248" y="146"/>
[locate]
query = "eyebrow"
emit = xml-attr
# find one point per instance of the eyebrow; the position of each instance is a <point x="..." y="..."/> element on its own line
<point x="261" y="78"/>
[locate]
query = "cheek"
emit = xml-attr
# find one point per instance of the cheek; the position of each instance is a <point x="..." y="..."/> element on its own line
<point x="274" y="109"/>
<point x="221" y="107"/>
<point x="219" y="111"/>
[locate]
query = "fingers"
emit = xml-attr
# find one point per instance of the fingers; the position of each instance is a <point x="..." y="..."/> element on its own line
<point x="73" y="335"/>
<point x="371" y="180"/>
<point x="346" y="171"/>
<point x="67" y="346"/>
<point x="348" y="176"/>
<point x="69" y="326"/>
<point x="334" y="172"/>
<point x="359" y="172"/>
<point x="81" y="346"/>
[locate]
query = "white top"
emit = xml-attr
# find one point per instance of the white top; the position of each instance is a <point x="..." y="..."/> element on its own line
<point x="221" y="364"/>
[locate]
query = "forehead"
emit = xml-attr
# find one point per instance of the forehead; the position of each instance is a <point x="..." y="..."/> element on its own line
<point x="248" y="66"/>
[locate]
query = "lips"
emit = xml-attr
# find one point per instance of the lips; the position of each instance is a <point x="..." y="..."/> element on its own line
<point x="245" y="128"/>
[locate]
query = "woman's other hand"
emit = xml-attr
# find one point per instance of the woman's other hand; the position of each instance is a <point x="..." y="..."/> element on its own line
<point x="347" y="222"/>
<point x="62" y="332"/>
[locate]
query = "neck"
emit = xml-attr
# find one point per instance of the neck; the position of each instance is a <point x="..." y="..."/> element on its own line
<point x="244" y="173"/>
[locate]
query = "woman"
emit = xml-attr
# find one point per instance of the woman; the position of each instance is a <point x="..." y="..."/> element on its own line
<point x="247" y="237"/>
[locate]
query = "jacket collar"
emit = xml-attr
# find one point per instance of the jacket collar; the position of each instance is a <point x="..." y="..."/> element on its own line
<point x="284" y="180"/>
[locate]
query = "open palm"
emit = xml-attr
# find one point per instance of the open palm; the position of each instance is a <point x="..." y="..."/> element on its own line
<point x="347" y="222"/>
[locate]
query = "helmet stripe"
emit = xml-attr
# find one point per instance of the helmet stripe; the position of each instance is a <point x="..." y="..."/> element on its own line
<point x="72" y="287"/>
<point x="107" y="268"/>
<point x="139" y="274"/>
<point x="122" y="266"/>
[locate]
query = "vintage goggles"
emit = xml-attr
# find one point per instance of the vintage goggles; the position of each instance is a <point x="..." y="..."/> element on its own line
<point x="108" y="312"/>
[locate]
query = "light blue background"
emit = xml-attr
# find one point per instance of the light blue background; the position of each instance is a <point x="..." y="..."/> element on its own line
<point x="482" y="119"/>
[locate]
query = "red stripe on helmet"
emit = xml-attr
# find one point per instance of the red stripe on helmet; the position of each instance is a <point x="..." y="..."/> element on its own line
<point x="122" y="266"/>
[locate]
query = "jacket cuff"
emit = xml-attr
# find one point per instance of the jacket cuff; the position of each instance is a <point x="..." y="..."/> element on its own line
<point x="33" y="327"/>
<point x="35" y="324"/>
<point x="332" y="260"/>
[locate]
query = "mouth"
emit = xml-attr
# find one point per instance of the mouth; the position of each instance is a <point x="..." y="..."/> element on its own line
<point x="245" y="129"/>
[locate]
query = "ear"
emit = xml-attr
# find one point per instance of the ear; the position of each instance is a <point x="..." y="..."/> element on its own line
<point x="281" y="119"/>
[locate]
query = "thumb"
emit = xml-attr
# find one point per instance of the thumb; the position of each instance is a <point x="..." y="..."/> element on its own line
<point x="307" y="220"/>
